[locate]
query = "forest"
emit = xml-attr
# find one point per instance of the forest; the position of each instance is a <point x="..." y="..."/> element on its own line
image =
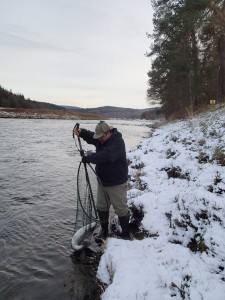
<point x="187" y="55"/>
<point x="9" y="99"/>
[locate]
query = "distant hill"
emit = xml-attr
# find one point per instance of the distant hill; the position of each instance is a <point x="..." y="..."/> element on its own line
<point x="11" y="100"/>
<point x="17" y="101"/>
<point x="120" y="112"/>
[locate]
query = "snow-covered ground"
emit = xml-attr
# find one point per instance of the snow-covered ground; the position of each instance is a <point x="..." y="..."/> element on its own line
<point x="182" y="167"/>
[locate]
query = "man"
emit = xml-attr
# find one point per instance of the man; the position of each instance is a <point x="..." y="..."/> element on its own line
<point x="112" y="170"/>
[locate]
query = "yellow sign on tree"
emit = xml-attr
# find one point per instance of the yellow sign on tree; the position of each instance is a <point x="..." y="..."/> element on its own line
<point x="212" y="102"/>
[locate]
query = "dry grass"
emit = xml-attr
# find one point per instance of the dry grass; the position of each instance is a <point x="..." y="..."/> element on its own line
<point x="189" y="113"/>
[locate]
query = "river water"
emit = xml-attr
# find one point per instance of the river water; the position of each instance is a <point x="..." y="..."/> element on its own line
<point x="38" y="165"/>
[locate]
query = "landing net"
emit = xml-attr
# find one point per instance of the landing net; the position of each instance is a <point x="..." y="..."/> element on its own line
<point x="87" y="185"/>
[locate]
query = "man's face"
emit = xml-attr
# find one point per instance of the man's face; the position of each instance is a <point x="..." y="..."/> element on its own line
<point x="104" y="137"/>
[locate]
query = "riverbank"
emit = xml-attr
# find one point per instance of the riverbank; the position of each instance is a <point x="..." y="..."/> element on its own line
<point x="21" y="113"/>
<point x="178" y="182"/>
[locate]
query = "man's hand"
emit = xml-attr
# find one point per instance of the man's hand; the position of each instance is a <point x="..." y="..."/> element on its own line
<point x="76" y="131"/>
<point x="85" y="159"/>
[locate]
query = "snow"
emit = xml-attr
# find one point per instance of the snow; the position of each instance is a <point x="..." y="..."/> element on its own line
<point x="184" y="214"/>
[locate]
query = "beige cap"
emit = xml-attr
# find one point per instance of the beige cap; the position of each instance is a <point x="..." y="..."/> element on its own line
<point x="101" y="128"/>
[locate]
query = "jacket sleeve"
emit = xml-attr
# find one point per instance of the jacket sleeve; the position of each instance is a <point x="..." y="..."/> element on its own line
<point x="87" y="136"/>
<point x="110" y="153"/>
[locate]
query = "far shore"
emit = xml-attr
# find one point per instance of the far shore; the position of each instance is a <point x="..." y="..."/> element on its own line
<point x="21" y="113"/>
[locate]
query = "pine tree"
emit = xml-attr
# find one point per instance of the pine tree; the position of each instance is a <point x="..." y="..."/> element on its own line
<point x="188" y="52"/>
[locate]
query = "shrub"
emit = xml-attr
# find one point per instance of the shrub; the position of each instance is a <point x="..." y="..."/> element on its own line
<point x="219" y="156"/>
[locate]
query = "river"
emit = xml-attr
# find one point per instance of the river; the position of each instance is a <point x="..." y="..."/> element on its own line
<point x="38" y="166"/>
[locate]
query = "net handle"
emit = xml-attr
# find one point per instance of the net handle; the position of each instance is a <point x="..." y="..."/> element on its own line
<point x="77" y="126"/>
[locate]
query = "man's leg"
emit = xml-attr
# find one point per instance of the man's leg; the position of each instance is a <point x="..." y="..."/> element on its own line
<point x="103" y="213"/>
<point x="104" y="219"/>
<point x="124" y="223"/>
<point x="118" y="198"/>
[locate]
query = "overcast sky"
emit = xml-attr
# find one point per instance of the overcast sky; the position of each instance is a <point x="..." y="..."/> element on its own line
<point x="85" y="53"/>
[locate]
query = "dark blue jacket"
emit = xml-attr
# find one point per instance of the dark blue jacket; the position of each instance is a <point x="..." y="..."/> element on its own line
<point x="110" y="157"/>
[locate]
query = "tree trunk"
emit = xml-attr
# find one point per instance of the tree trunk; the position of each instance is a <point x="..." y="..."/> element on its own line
<point x="195" y="67"/>
<point x="222" y="67"/>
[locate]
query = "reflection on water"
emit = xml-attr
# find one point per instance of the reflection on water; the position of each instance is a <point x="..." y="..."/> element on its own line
<point x="38" y="166"/>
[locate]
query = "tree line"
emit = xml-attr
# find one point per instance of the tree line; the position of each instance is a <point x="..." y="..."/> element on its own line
<point x="187" y="55"/>
<point x="9" y="99"/>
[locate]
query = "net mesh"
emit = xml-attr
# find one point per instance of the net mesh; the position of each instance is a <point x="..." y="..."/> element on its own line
<point x="87" y="186"/>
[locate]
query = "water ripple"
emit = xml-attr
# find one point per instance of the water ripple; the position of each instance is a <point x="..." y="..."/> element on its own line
<point x="38" y="166"/>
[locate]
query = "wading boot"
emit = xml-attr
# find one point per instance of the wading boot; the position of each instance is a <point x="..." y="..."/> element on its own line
<point x="103" y="233"/>
<point x="124" y="223"/>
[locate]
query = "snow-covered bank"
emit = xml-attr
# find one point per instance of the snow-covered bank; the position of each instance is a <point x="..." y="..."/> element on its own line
<point x="182" y="167"/>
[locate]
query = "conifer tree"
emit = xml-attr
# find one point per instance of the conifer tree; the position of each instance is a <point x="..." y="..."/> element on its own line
<point x="188" y="54"/>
